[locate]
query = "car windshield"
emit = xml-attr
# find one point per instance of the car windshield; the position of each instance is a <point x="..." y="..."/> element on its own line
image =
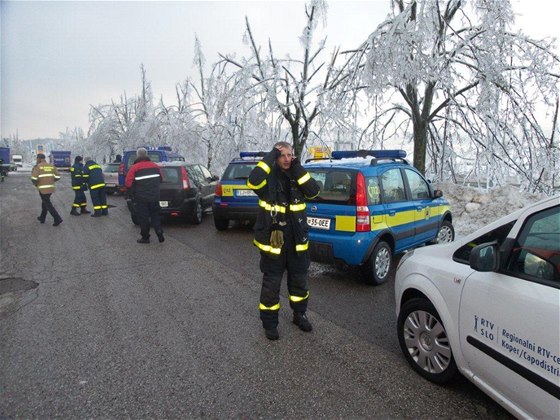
<point x="239" y="170"/>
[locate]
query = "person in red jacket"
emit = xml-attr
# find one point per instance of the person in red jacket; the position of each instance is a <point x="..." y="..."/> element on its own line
<point x="143" y="181"/>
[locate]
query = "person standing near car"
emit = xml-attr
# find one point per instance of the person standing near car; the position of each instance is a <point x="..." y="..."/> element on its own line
<point x="282" y="184"/>
<point x="93" y="177"/>
<point x="143" y="183"/>
<point x="44" y="175"/>
<point x="79" y="186"/>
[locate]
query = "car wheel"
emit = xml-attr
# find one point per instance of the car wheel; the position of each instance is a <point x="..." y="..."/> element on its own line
<point x="377" y="269"/>
<point x="424" y="341"/>
<point x="446" y="233"/>
<point x="221" y="224"/>
<point x="196" y="215"/>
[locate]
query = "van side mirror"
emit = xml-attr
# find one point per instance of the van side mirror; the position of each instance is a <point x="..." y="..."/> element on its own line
<point x="438" y="194"/>
<point x="485" y="257"/>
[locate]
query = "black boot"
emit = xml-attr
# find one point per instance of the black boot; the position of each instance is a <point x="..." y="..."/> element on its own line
<point x="74" y="211"/>
<point x="85" y="211"/>
<point x="272" y="333"/>
<point x="300" y="319"/>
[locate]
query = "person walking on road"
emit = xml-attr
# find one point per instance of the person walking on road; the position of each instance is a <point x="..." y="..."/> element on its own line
<point x="79" y="186"/>
<point x="143" y="183"/>
<point x="282" y="184"/>
<point x="93" y="177"/>
<point x="44" y="175"/>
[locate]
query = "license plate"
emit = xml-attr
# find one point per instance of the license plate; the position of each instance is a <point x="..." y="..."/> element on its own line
<point x="163" y="204"/>
<point x="245" y="193"/>
<point x="108" y="184"/>
<point x="318" y="223"/>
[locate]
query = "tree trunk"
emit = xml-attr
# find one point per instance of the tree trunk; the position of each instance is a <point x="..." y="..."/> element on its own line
<point x="420" y="141"/>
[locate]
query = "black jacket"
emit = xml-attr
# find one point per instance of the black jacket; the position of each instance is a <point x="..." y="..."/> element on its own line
<point x="143" y="180"/>
<point x="282" y="197"/>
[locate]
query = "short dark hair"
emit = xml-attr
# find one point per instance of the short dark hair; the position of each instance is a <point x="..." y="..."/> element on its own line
<point x="41" y="156"/>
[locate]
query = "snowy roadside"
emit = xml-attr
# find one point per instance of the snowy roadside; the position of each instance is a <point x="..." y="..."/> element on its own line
<point x="473" y="208"/>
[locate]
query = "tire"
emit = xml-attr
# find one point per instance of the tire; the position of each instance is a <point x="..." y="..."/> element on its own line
<point x="446" y="233"/>
<point x="377" y="269"/>
<point x="424" y="341"/>
<point x="221" y="224"/>
<point x="195" y="217"/>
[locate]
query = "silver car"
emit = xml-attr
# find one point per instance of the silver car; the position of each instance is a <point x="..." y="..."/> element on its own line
<point x="111" y="175"/>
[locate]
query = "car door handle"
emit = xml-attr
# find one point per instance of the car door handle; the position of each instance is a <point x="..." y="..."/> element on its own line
<point x="392" y="212"/>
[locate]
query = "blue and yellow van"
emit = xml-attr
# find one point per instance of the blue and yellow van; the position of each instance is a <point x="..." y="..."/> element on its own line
<point x="234" y="200"/>
<point x="372" y="204"/>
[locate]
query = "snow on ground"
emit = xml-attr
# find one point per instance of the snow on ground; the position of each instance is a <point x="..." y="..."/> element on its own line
<point x="473" y="208"/>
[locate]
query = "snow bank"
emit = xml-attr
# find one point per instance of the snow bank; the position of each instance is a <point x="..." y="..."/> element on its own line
<point x="473" y="208"/>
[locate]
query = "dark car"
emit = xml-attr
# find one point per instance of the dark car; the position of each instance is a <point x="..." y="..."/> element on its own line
<point x="187" y="191"/>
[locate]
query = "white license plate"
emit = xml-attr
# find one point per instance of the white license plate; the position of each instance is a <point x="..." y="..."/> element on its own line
<point x="163" y="204"/>
<point x="245" y="193"/>
<point x="110" y="185"/>
<point x="319" y="223"/>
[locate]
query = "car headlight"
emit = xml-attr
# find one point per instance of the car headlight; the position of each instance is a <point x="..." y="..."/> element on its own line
<point x="405" y="257"/>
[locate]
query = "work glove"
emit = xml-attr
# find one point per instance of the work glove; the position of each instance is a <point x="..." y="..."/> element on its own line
<point x="277" y="238"/>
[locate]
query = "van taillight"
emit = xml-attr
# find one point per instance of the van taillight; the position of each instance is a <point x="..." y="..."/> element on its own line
<point x="218" y="191"/>
<point x="185" y="178"/>
<point x="362" y="209"/>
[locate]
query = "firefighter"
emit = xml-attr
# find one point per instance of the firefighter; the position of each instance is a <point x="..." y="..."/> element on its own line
<point x="79" y="186"/>
<point x="282" y="185"/>
<point x="93" y="177"/>
<point x="43" y="176"/>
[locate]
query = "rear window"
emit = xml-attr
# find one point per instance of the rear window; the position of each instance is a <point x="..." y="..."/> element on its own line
<point x="339" y="187"/>
<point x="171" y="175"/>
<point x="238" y="170"/>
<point x="335" y="186"/>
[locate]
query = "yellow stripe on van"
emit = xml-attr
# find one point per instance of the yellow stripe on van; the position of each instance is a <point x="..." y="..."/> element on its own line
<point x="345" y="223"/>
<point x="438" y="210"/>
<point x="400" y="218"/>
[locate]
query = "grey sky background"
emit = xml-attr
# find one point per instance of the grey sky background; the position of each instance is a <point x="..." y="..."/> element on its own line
<point x="60" y="57"/>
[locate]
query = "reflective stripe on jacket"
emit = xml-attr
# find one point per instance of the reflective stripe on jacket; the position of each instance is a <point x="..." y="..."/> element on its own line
<point x="143" y="179"/>
<point x="93" y="175"/>
<point x="76" y="175"/>
<point x="288" y="207"/>
<point x="43" y="176"/>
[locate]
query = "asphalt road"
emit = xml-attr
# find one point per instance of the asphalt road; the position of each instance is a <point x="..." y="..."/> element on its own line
<point x="94" y="325"/>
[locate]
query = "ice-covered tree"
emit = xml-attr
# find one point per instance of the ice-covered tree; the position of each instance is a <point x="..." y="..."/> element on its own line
<point x="445" y="73"/>
<point x="290" y="88"/>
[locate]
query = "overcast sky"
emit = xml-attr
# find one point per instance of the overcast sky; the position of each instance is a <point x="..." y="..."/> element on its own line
<point x="60" y="57"/>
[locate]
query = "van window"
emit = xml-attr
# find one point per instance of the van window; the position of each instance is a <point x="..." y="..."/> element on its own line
<point x="418" y="186"/>
<point x="393" y="186"/>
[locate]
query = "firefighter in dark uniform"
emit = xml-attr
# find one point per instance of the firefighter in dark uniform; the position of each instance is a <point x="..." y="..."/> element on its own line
<point x="93" y="177"/>
<point x="79" y="186"/>
<point x="143" y="184"/>
<point x="282" y="185"/>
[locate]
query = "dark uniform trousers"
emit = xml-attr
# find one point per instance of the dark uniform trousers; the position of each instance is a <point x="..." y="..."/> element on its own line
<point x="273" y="270"/>
<point x="47" y="206"/>
<point x="79" y="199"/>
<point x="147" y="211"/>
<point x="99" y="200"/>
